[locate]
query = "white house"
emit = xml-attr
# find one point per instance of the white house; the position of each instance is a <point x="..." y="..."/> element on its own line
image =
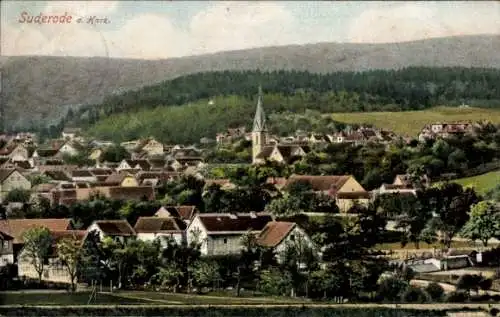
<point x="280" y="235"/>
<point x="117" y="229"/>
<point x="134" y="164"/>
<point x="152" y="228"/>
<point x="221" y="234"/>
<point x="11" y="178"/>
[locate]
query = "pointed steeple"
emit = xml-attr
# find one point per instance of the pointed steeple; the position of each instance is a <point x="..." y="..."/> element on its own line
<point x="259" y="122"/>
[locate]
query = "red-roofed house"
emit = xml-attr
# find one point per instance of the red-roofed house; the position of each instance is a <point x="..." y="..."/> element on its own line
<point x="344" y="188"/>
<point x="279" y="235"/>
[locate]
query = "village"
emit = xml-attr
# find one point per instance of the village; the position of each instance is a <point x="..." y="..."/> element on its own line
<point x="46" y="177"/>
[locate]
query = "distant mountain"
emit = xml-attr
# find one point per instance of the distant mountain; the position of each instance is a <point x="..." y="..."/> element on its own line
<point x="35" y="88"/>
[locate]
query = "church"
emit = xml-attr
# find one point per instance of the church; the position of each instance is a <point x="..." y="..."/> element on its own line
<point x="263" y="150"/>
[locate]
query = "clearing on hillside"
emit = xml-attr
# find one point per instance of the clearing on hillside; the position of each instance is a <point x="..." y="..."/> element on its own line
<point x="481" y="183"/>
<point x="411" y="122"/>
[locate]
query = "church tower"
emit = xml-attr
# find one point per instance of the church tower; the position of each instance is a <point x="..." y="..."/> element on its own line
<point x="259" y="132"/>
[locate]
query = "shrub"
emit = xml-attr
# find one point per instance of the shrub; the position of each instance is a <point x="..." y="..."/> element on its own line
<point x="435" y="291"/>
<point x="391" y="289"/>
<point x="457" y="297"/>
<point x="415" y="295"/>
<point x="494" y="311"/>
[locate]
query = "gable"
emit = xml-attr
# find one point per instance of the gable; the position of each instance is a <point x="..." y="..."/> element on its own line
<point x="276" y="154"/>
<point x="351" y="185"/>
<point x="15" y="176"/>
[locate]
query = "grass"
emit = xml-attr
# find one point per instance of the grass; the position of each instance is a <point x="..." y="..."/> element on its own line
<point x="481" y="183"/>
<point x="47" y="298"/>
<point x="411" y="122"/>
<point x="215" y="299"/>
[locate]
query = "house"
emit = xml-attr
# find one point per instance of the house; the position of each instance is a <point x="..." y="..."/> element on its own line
<point x="395" y="189"/>
<point x="70" y="133"/>
<point x="282" y="153"/>
<point x="185" y="213"/>
<point x="122" y="179"/>
<point x="79" y="193"/>
<point x="156" y="178"/>
<point x="152" y="228"/>
<point x="6" y="249"/>
<point x="15" y="152"/>
<point x="150" y="146"/>
<point x="11" y="178"/>
<point x="54" y="270"/>
<point x="141" y="165"/>
<point x="346" y="191"/>
<point x="57" y="175"/>
<point x="96" y="154"/>
<point x="221" y="233"/>
<point x="279" y="235"/>
<point x="119" y="230"/>
<point x="17" y="227"/>
<point x="83" y="175"/>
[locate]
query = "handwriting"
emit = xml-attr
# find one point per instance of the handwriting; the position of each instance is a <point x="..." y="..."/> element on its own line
<point x="45" y="19"/>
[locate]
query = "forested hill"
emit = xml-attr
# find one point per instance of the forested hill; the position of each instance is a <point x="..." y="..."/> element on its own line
<point x="191" y="107"/>
<point x="406" y="89"/>
<point x="35" y="88"/>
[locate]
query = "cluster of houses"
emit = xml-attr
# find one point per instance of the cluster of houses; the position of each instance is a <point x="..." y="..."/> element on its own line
<point x="357" y="136"/>
<point x="448" y="129"/>
<point x="216" y="233"/>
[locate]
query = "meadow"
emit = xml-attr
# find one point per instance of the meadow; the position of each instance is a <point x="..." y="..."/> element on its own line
<point x="481" y="183"/>
<point x="410" y="123"/>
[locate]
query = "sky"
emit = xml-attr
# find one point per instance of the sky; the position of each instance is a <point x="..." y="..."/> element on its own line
<point x="166" y="29"/>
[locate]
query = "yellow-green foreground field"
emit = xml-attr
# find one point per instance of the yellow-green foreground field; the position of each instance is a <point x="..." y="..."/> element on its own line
<point x="481" y="183"/>
<point x="411" y="122"/>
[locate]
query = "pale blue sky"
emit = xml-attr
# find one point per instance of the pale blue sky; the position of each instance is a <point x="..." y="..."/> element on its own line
<point x="162" y="29"/>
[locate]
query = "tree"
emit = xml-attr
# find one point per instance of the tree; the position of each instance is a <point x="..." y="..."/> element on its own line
<point x="168" y="275"/>
<point x="205" y="272"/>
<point x="117" y="255"/>
<point x="37" y="247"/>
<point x="484" y="222"/>
<point x="415" y="295"/>
<point x="274" y="282"/>
<point x="451" y="205"/>
<point x="69" y="252"/>
<point x="392" y="288"/>
<point x="114" y="153"/>
<point x="413" y="220"/>
<point x="435" y="291"/>
<point x="18" y="195"/>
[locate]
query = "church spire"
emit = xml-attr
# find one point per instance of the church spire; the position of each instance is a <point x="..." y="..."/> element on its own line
<point x="259" y="122"/>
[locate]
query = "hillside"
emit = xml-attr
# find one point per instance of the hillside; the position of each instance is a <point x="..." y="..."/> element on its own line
<point x="411" y="122"/>
<point x="481" y="183"/>
<point x="190" y="122"/>
<point x="41" y="86"/>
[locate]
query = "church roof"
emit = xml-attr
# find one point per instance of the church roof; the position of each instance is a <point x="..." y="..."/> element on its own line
<point x="259" y="122"/>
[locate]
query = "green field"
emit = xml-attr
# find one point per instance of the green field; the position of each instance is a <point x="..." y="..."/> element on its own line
<point x="411" y="122"/>
<point x="48" y="298"/>
<point x="481" y="183"/>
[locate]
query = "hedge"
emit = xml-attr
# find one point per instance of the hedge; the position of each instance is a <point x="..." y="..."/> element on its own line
<point x="213" y="311"/>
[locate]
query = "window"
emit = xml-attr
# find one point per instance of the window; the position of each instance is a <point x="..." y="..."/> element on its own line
<point x="225" y="240"/>
<point x="292" y="237"/>
<point x="6" y="244"/>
